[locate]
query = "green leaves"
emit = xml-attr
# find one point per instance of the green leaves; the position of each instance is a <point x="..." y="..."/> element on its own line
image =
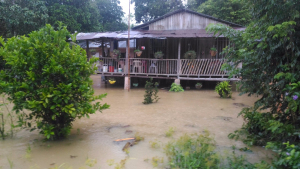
<point x="224" y="89"/>
<point x="49" y="78"/>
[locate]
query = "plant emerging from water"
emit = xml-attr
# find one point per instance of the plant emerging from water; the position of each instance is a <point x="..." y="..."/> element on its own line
<point x="151" y="92"/>
<point x="50" y="78"/>
<point x="198" y="151"/>
<point x="192" y="152"/>
<point x="176" y="88"/>
<point x="224" y="89"/>
<point x="170" y="132"/>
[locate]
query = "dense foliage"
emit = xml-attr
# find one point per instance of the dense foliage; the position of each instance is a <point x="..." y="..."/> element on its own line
<point x="194" y="4"/>
<point x="269" y="50"/>
<point x="111" y="14"/>
<point x="199" y="151"/>
<point x="228" y="10"/>
<point x="49" y="77"/>
<point x="176" y="88"/>
<point x="77" y="15"/>
<point x="223" y="89"/>
<point x="19" y="17"/>
<point x="151" y="92"/>
<point x="147" y="10"/>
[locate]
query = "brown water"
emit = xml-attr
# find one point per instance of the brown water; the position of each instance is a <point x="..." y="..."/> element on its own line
<point x="187" y="112"/>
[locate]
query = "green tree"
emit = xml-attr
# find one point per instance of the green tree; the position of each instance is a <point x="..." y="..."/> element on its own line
<point x="49" y="77"/>
<point x="111" y="14"/>
<point x="235" y="11"/>
<point x="194" y="4"/>
<point x="19" y="17"/>
<point x="269" y="51"/>
<point x="147" y="10"/>
<point x="77" y="15"/>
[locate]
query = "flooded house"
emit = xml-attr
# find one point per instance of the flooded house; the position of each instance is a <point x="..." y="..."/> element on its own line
<point x="173" y="46"/>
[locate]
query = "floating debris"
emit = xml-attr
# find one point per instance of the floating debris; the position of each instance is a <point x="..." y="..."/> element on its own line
<point x="118" y="126"/>
<point x="240" y="104"/>
<point x="72" y="156"/>
<point x="224" y="118"/>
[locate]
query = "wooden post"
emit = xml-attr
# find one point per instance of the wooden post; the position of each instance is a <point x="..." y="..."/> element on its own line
<point x="102" y="46"/>
<point x="87" y="49"/>
<point x="178" y="59"/>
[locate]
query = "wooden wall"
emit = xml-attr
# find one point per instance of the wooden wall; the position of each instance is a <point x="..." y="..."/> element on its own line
<point x="170" y="47"/>
<point x="183" y="20"/>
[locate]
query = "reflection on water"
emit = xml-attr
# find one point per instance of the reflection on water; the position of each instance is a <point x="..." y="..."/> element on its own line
<point x="187" y="112"/>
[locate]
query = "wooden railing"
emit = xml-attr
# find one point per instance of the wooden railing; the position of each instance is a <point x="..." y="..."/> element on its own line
<point x="201" y="66"/>
<point x="162" y="66"/>
<point x="153" y="66"/>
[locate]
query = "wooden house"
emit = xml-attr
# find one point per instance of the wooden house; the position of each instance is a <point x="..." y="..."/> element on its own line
<point x="173" y="34"/>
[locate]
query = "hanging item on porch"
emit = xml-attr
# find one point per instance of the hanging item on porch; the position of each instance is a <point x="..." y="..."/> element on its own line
<point x="191" y="54"/>
<point x="112" y="81"/>
<point x="213" y="52"/>
<point x="143" y="48"/>
<point x="158" y="55"/>
<point x="138" y="52"/>
<point x="116" y="54"/>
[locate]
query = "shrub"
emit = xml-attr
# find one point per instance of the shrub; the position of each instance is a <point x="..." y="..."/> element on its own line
<point x="49" y="77"/>
<point x="176" y="88"/>
<point x="151" y="92"/>
<point x="223" y="89"/>
<point x="198" y="151"/>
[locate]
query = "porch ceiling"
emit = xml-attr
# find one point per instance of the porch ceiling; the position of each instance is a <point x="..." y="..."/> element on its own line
<point x="135" y="34"/>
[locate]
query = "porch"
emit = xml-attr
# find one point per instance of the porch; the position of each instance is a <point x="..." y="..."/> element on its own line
<point x="185" y="69"/>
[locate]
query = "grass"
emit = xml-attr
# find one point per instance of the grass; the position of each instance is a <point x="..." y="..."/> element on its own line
<point x="154" y="144"/>
<point x="170" y="132"/>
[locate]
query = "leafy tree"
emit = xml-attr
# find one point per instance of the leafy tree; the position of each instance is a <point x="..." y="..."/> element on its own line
<point x="19" y="17"/>
<point x="147" y="10"/>
<point x="269" y="51"/>
<point x="235" y="11"/>
<point x="49" y="77"/>
<point x="194" y="4"/>
<point x="77" y="15"/>
<point x="111" y="14"/>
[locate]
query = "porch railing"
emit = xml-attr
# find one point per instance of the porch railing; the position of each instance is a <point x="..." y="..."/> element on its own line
<point x="162" y="66"/>
<point x="202" y="66"/>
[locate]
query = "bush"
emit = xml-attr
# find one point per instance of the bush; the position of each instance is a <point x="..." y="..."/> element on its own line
<point x="198" y="151"/>
<point x="176" y="88"/>
<point x="49" y="77"/>
<point x="223" y="89"/>
<point x="151" y="92"/>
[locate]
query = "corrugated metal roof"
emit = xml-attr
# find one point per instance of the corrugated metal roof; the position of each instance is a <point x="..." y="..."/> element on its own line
<point x="189" y="11"/>
<point x="136" y="34"/>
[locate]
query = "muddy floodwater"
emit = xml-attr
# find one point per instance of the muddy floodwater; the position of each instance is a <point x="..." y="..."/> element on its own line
<point x="92" y="140"/>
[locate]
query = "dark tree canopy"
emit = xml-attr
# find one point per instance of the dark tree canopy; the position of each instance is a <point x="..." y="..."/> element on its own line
<point x="194" y="4"/>
<point x="19" y="17"/>
<point x="229" y="10"/>
<point x="77" y="15"/>
<point x="111" y="14"/>
<point x="147" y="10"/>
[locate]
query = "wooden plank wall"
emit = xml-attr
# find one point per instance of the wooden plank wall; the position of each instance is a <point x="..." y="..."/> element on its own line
<point x="183" y="20"/>
<point x="170" y="47"/>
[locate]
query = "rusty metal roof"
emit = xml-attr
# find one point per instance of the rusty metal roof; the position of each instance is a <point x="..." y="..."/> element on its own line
<point x="136" y="34"/>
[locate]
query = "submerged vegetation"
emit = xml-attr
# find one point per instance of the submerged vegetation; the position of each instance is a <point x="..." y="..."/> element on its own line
<point x="151" y="92"/>
<point x="176" y="88"/>
<point x="199" y="151"/>
<point x="224" y="89"/>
